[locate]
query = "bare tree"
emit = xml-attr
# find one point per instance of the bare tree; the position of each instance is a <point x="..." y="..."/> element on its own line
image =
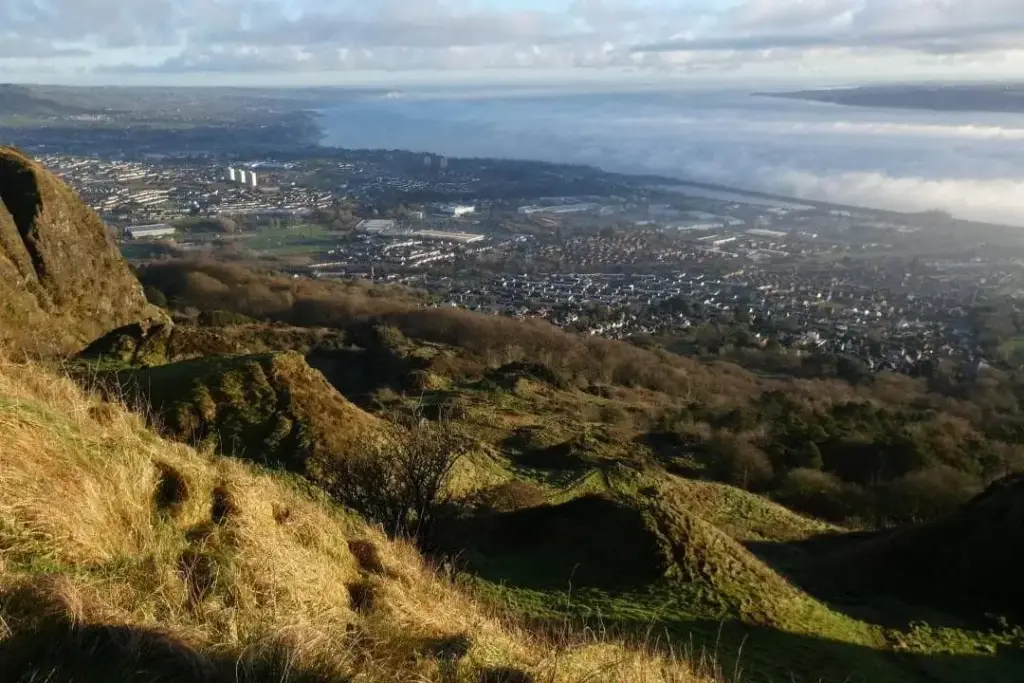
<point x="405" y="485"/>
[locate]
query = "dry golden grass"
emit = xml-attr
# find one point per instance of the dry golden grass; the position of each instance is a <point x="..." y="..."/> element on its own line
<point x="106" y="529"/>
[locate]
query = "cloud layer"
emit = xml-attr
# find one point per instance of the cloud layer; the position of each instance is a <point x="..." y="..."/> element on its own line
<point x="183" y="36"/>
<point x="971" y="165"/>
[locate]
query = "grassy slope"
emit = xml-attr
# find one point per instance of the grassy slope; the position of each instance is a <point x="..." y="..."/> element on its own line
<point x="146" y="345"/>
<point x="747" y="614"/>
<point x="149" y="561"/>
<point x="721" y="598"/>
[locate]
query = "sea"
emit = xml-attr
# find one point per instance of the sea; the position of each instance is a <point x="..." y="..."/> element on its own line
<point x="969" y="164"/>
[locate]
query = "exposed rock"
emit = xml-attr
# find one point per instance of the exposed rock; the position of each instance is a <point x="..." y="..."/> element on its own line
<point x="63" y="281"/>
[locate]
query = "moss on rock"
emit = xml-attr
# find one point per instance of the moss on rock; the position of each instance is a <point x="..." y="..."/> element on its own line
<point x="63" y="281"/>
<point x="271" y="408"/>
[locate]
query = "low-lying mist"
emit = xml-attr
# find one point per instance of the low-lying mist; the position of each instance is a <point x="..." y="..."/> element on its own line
<point x="969" y="164"/>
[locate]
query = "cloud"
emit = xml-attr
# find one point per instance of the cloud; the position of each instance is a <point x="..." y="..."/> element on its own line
<point x="913" y="161"/>
<point x="928" y="26"/>
<point x="181" y="36"/>
<point x="19" y="47"/>
<point x="996" y="200"/>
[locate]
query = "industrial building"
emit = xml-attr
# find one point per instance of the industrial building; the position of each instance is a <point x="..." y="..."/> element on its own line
<point x="149" y="232"/>
<point x="457" y="210"/>
<point x="376" y="225"/>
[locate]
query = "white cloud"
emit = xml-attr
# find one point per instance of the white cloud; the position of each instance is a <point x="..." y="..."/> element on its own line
<point x="928" y="26"/>
<point x="468" y="35"/>
<point x="996" y="200"/>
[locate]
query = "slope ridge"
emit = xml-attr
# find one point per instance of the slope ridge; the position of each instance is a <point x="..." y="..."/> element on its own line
<point x="969" y="560"/>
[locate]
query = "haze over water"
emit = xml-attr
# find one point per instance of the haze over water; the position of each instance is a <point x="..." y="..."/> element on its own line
<point x="970" y="164"/>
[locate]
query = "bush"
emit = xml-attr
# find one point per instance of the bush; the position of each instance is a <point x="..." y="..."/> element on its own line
<point x="928" y="494"/>
<point x="824" y="495"/>
<point x="405" y="487"/>
<point x="738" y="462"/>
<point x="156" y="297"/>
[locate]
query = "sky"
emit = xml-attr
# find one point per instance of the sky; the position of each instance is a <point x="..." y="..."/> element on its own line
<point x="320" y="42"/>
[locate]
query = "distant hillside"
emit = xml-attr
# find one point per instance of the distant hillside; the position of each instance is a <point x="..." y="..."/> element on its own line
<point x="962" y="98"/>
<point x="17" y="100"/>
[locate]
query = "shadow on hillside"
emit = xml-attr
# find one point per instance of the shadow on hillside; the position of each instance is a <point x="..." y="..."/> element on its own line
<point x="356" y="373"/>
<point x="591" y="541"/>
<point x="803" y="563"/>
<point x="760" y="654"/>
<point x="58" y="651"/>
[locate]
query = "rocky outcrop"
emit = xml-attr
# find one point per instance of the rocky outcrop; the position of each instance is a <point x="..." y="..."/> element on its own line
<point x="149" y="343"/>
<point x="63" y="281"/>
<point x="271" y="408"/>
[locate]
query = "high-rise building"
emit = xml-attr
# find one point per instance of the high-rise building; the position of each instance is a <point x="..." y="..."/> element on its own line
<point x="243" y="177"/>
<point x="232" y="174"/>
<point x="444" y="162"/>
<point x="252" y="178"/>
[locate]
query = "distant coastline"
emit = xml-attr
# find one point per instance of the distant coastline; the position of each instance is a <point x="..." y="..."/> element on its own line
<point x="984" y="98"/>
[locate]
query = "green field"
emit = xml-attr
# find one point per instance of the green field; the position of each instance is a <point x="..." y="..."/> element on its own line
<point x="301" y="240"/>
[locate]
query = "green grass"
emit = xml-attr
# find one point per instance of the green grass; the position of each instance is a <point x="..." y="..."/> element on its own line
<point x="303" y="239"/>
<point x="679" y="617"/>
<point x="745" y="516"/>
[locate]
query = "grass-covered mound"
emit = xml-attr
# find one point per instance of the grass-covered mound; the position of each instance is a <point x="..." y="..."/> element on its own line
<point x="591" y="541"/>
<point x="622" y="542"/>
<point x="728" y="576"/>
<point x="271" y="408"/>
<point x="62" y="280"/>
<point x="127" y="558"/>
<point x="970" y="560"/>
<point x="743" y="515"/>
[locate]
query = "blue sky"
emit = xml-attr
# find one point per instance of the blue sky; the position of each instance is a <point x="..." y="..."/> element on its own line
<point x="413" y="41"/>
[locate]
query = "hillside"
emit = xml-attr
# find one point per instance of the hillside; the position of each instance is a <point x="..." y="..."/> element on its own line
<point x="556" y="507"/>
<point x="17" y="100"/>
<point x="150" y="344"/>
<point x="125" y="557"/>
<point x="966" y="561"/>
<point x="62" y="280"/>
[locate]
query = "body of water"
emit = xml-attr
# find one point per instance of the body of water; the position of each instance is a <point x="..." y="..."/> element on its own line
<point x="970" y="164"/>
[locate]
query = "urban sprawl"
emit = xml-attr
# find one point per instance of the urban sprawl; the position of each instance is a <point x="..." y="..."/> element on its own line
<point x="601" y="254"/>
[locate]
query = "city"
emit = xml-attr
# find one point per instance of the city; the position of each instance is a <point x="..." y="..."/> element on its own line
<point x="687" y="267"/>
